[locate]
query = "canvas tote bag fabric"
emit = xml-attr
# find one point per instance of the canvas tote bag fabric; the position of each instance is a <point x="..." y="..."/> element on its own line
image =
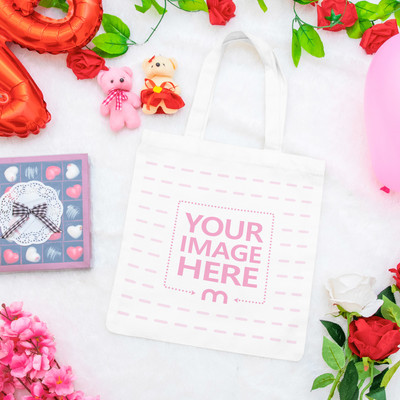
<point x="220" y="241"/>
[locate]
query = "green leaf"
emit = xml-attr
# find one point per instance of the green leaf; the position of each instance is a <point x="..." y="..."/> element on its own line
<point x="262" y="5"/>
<point x="367" y="10"/>
<point x="161" y="10"/>
<point x="104" y="54"/>
<point x="397" y="16"/>
<point x="335" y="331"/>
<point x="348" y="389"/>
<point x="362" y="374"/>
<point x="357" y="30"/>
<point x="111" y="43"/>
<point x="322" y="381"/>
<point x="197" y="5"/>
<point x="61" y="4"/>
<point x="333" y="355"/>
<point x="377" y="392"/>
<point x="386" y="8"/>
<point x="390" y="310"/>
<point x="296" y="48"/>
<point x="310" y="40"/>
<point x="113" y="24"/>
<point x="146" y="5"/>
<point x="389" y="374"/>
<point x="389" y="294"/>
<point x="354" y="32"/>
<point x="364" y="25"/>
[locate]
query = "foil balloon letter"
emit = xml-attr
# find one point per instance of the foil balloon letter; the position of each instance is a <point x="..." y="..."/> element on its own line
<point x="22" y="108"/>
<point x="382" y="113"/>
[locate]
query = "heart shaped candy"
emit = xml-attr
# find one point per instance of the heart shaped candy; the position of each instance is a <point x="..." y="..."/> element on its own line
<point x="32" y="255"/>
<point x="75" y="252"/>
<point x="11" y="173"/>
<point x="74" y="191"/>
<point x="10" y="257"/>
<point x="72" y="171"/>
<point x="55" y="236"/>
<point x="52" y="172"/>
<point x="75" y="231"/>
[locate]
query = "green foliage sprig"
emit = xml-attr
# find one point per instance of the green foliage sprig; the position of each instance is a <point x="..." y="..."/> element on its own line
<point x="356" y="378"/>
<point x="306" y="36"/>
<point x="117" y="37"/>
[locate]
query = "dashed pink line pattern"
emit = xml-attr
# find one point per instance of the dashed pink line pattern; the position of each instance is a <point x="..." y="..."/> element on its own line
<point x="294" y="196"/>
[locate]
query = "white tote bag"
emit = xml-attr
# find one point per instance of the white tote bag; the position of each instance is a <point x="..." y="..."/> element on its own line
<point x="220" y="241"/>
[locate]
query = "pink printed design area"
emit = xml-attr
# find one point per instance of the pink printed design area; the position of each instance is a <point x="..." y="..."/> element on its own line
<point x="220" y="254"/>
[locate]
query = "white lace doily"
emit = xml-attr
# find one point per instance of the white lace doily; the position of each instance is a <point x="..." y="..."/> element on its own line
<point x="30" y="194"/>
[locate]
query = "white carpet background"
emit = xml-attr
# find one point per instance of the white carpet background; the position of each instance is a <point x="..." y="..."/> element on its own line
<point x="359" y="227"/>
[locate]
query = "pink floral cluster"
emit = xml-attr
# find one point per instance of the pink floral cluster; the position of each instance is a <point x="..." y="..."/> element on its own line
<point x="27" y="363"/>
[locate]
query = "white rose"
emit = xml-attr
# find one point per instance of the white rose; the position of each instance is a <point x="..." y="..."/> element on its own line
<point x="354" y="293"/>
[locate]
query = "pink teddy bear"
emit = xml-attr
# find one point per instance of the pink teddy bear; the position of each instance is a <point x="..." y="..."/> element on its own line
<point x="120" y="102"/>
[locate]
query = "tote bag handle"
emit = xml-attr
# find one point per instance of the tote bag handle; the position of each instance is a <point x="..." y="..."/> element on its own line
<point x="275" y="91"/>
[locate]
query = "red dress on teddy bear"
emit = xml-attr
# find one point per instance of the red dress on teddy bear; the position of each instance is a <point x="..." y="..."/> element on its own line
<point x="160" y="95"/>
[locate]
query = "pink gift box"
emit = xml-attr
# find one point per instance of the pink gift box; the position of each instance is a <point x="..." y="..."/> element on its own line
<point x="68" y="175"/>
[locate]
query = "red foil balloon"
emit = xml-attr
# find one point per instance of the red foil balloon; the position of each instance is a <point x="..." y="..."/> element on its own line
<point x="22" y="108"/>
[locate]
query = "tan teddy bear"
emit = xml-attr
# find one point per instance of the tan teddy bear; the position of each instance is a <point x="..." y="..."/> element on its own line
<point x="160" y="94"/>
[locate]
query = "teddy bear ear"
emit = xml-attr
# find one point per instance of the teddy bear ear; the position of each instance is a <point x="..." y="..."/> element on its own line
<point x="145" y="63"/>
<point x="127" y="70"/>
<point x="100" y="76"/>
<point x="173" y="62"/>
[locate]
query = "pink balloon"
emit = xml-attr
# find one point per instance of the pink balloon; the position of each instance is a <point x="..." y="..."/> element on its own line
<point x="382" y="113"/>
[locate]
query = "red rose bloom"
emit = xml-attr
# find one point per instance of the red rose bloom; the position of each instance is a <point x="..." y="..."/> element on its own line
<point x="375" y="36"/>
<point x="396" y="275"/>
<point x="85" y="64"/>
<point x="374" y="337"/>
<point x="346" y="10"/>
<point x="221" y="11"/>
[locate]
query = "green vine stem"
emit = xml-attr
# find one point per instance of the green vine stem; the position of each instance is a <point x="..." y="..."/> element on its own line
<point x="336" y="383"/>
<point x="158" y="23"/>
<point x="371" y="367"/>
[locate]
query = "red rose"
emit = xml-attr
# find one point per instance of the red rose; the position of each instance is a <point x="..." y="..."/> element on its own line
<point x="375" y="36"/>
<point x="85" y="64"/>
<point x="396" y="275"/>
<point x="341" y="10"/>
<point x="374" y="337"/>
<point x="220" y="11"/>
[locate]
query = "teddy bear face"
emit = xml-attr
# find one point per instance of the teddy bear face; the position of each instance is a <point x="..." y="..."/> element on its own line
<point x="115" y="78"/>
<point x="159" y="66"/>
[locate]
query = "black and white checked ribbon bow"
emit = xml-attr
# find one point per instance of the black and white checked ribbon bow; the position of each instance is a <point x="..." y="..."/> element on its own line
<point x="39" y="211"/>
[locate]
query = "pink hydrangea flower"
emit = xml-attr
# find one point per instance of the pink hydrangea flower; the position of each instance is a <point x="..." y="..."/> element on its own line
<point x="13" y="312"/>
<point x="20" y="365"/>
<point x="6" y="381"/>
<point x="36" y="331"/>
<point x="40" y="365"/>
<point x="78" y="395"/>
<point x="17" y="327"/>
<point x="37" y="392"/>
<point x="6" y="351"/>
<point x="7" y="397"/>
<point x="60" y="381"/>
